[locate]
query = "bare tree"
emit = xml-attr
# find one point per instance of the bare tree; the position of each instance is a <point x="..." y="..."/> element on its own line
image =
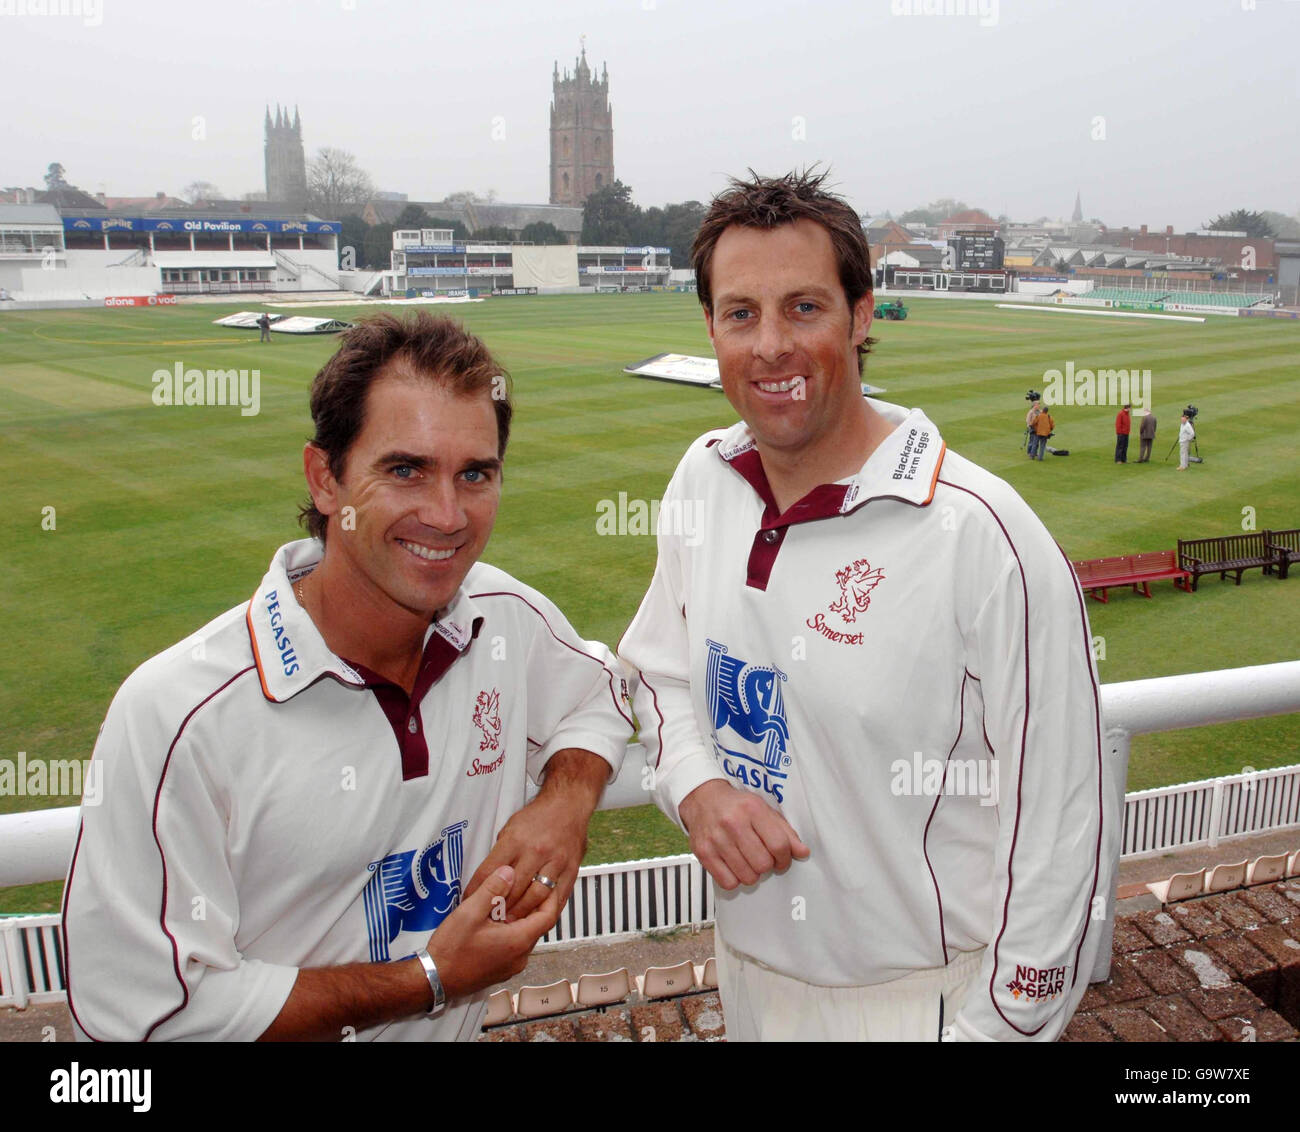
<point x="200" y="190"/>
<point x="468" y="196"/>
<point x="334" y="181"/>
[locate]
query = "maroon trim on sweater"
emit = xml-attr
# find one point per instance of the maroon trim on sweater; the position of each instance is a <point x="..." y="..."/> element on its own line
<point x="1020" y="778"/>
<point x="1024" y="731"/>
<point x="984" y="730"/>
<point x="925" y="852"/>
<point x="67" y="965"/>
<point x="157" y="802"/>
<point x="654" y="700"/>
<point x="1101" y="786"/>
<point x="613" y="694"/>
<point x="162" y="916"/>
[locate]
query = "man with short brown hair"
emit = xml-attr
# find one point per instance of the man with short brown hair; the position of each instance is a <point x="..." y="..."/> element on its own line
<point x="867" y="693"/>
<point x="1123" y="427"/>
<point x="313" y="822"/>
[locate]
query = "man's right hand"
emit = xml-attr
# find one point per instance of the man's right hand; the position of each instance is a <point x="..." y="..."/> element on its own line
<point x="475" y="947"/>
<point x="736" y="835"/>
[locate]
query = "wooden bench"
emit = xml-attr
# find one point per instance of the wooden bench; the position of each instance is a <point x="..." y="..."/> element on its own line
<point x="1285" y="546"/>
<point x="1224" y="555"/>
<point x="1101" y="574"/>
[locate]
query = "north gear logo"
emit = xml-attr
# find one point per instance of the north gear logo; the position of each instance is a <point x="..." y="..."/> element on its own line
<point x="1037" y="984"/>
<point x="487" y="718"/>
<point x="748" y="711"/>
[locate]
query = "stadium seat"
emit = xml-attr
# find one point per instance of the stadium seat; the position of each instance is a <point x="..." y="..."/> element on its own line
<point x="707" y="976"/>
<point x="665" y="982"/>
<point x="1180" y="886"/>
<point x="551" y="999"/>
<point x="601" y="990"/>
<point x="1224" y="877"/>
<point x="501" y="1008"/>
<point x="1262" y="870"/>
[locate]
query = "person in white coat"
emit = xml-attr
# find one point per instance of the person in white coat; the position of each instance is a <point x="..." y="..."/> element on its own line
<point x="1186" y="434"/>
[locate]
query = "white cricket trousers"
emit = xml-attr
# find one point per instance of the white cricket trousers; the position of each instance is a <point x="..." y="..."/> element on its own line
<point x="1183" y="447"/>
<point x="760" y="1005"/>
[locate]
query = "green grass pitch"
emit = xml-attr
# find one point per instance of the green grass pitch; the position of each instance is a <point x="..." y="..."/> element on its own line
<point x="165" y="516"/>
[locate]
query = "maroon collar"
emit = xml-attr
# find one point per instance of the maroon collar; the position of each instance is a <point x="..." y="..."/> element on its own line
<point x="904" y="466"/>
<point x="402" y="711"/>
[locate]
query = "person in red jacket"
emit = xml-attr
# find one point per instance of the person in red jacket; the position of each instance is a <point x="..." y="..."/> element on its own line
<point x="1123" y="423"/>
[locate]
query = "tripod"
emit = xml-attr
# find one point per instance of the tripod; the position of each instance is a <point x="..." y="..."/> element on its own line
<point x="1190" y="459"/>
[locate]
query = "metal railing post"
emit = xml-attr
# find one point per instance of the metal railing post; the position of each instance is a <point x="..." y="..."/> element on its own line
<point x="17" y="982"/>
<point x="1216" y="813"/>
<point x="1116" y="745"/>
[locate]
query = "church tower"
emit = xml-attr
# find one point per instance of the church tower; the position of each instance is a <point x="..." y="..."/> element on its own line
<point x="582" y="134"/>
<point x="286" y="165"/>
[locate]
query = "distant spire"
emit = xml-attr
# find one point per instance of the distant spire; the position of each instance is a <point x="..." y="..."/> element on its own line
<point x="279" y="117"/>
<point x="1078" y="209"/>
<point x="297" y="122"/>
<point x="268" y="116"/>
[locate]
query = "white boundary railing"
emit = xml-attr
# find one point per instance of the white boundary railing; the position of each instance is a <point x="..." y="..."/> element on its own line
<point x="1206" y="813"/>
<point x="31" y="961"/>
<point x="628" y="898"/>
<point x="662" y="893"/>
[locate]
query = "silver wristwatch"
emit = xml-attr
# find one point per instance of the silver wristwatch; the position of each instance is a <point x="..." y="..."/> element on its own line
<point x="435" y="983"/>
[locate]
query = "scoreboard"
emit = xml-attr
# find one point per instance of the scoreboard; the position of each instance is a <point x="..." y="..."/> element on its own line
<point x="977" y="251"/>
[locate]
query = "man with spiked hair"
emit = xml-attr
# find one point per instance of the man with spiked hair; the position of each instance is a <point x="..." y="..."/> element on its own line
<point x="867" y="693"/>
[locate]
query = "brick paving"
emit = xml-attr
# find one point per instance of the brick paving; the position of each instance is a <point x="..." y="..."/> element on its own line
<point x="1221" y="968"/>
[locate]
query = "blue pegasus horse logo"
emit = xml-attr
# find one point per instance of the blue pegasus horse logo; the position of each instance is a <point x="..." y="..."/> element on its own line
<point x="746" y="698"/>
<point x="413" y="891"/>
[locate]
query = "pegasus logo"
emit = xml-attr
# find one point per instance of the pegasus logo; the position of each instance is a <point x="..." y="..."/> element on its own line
<point x="413" y="891"/>
<point x="748" y="710"/>
<point x="856" y="581"/>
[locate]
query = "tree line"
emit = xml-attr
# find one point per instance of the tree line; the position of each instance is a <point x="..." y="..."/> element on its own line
<point x="610" y="217"/>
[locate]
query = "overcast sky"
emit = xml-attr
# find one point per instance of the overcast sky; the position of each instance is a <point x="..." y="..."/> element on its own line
<point x="1157" y="111"/>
